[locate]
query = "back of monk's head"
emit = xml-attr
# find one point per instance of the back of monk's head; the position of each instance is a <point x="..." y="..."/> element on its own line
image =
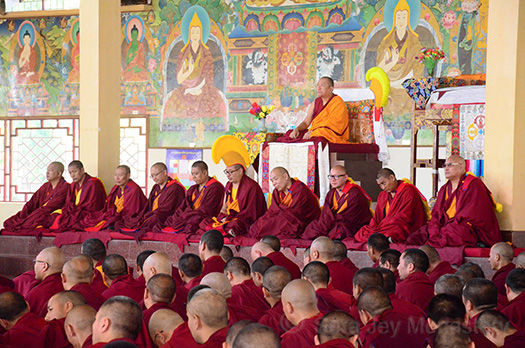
<point x="482" y="293"/>
<point x="389" y="280"/>
<point x="218" y="282"/>
<point x="161" y="262"/>
<point x="195" y="290"/>
<point x="75" y="164"/>
<point x="416" y="257"/>
<point x="121" y="344"/>
<point x="114" y="266"/>
<point x="164" y="320"/>
<point x="81" y="318"/>
<point x="468" y="271"/>
<point x="337" y="325"/>
<point x="257" y="336"/>
<point x="452" y="335"/>
<point x="432" y="254"/>
<point x="261" y="265"/>
<point x="445" y="308"/>
<point x="69" y="296"/>
<point x="300" y="294"/>
<point x="391" y="256"/>
<point x="374" y="300"/>
<point x="317" y="273"/>
<point x="385" y="173"/>
<point x="449" y="284"/>
<point x="226" y="253"/>
<point x="12" y="306"/>
<point x="210" y="307"/>
<point x="94" y="248"/>
<point x="340" y="250"/>
<point x="125" y="315"/>
<point x="504" y="250"/>
<point x="191" y="265"/>
<point x="520" y="260"/>
<point x="493" y="319"/>
<point x="141" y="258"/>
<point x="234" y="331"/>
<point x="275" y="279"/>
<point x="237" y="266"/>
<point x="516" y="280"/>
<point x="161" y="288"/>
<point x="79" y="270"/>
<point x="324" y="246"/>
<point x="214" y="240"/>
<point x="368" y="277"/>
<point x="272" y="241"/>
<point x="58" y="166"/>
<point x="378" y="241"/>
<point x="54" y="257"/>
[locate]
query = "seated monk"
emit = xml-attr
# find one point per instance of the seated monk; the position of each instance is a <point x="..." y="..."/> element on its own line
<point x="401" y="209"/>
<point x="499" y="330"/>
<point x="436" y="268"/>
<point x="244" y="200"/>
<point x="77" y="274"/>
<point x="463" y="213"/>
<point x="208" y="313"/>
<point x="293" y="206"/>
<point x="203" y="201"/>
<point x="86" y="195"/>
<point x="274" y="281"/>
<point x="328" y="117"/>
<point x="168" y="330"/>
<point x="515" y="309"/>
<point x="48" y="198"/>
<point x="256" y="335"/>
<point x="78" y="326"/>
<point x="120" y="282"/>
<point x="337" y="329"/>
<point x="125" y="201"/>
<point x="346" y="209"/>
<point x="165" y="197"/>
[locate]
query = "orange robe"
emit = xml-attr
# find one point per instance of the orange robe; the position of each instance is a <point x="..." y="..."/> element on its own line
<point x="331" y="122"/>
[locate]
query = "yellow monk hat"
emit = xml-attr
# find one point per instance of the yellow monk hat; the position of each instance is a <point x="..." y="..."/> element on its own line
<point x="231" y="150"/>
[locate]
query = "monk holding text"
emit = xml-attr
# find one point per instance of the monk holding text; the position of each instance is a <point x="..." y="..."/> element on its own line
<point x="293" y="207"/>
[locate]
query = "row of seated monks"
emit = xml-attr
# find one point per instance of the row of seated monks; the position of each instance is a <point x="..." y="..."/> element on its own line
<point x="462" y="215"/>
<point x="409" y="299"/>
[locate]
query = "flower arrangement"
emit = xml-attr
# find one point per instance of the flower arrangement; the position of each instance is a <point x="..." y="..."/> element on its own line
<point x="430" y="57"/>
<point x="261" y="112"/>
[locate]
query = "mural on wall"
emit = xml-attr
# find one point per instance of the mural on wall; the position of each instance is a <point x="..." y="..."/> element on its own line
<point x="195" y="67"/>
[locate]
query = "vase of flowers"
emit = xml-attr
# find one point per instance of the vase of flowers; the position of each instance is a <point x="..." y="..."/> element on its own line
<point x="260" y="113"/>
<point x="430" y="57"/>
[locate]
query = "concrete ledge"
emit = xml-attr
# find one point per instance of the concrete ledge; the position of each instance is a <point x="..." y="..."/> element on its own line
<point x="18" y="252"/>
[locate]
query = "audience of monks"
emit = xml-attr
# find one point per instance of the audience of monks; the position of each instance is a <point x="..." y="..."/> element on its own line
<point x="233" y="303"/>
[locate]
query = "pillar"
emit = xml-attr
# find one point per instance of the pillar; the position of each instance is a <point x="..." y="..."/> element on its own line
<point x="505" y="115"/>
<point x="100" y="38"/>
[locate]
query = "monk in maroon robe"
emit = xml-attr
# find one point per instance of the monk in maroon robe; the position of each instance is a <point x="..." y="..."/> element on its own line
<point x="293" y="206"/>
<point x="168" y="330"/>
<point x="120" y="282"/>
<point x="263" y="249"/>
<point x="415" y="286"/>
<point x="203" y="201"/>
<point x="25" y="282"/>
<point x="48" y="198"/>
<point x="77" y="275"/>
<point x="211" y="310"/>
<point x="346" y="209"/>
<point x="86" y="195"/>
<point x="500" y="259"/>
<point x="464" y="211"/>
<point x="401" y="209"/>
<point x="165" y="197"/>
<point x="125" y="201"/>
<point x="384" y="327"/>
<point x="210" y="247"/>
<point x="337" y="329"/>
<point x="23" y="325"/>
<point x="515" y="309"/>
<point x="48" y="267"/>
<point x="436" y="268"/>
<point x="243" y="204"/>
<point x="300" y="307"/>
<point x="499" y="330"/>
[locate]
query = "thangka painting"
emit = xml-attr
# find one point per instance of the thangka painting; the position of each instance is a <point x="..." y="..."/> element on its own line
<point x="195" y="67"/>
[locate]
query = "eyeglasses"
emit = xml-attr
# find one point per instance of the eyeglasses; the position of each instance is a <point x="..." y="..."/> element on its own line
<point x="154" y="175"/>
<point x="37" y="261"/>
<point x="230" y="172"/>
<point x="448" y="165"/>
<point x="335" y="176"/>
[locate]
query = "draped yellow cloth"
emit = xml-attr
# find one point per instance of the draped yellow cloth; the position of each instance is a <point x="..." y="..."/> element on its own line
<point x="332" y="122"/>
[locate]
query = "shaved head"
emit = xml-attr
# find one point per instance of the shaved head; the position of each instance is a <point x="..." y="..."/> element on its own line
<point x="226" y="253"/>
<point x="433" y="255"/>
<point x="257" y="336"/>
<point x="337" y="325"/>
<point x="218" y="282"/>
<point x="301" y="294"/>
<point x="54" y="257"/>
<point x="125" y="168"/>
<point x="201" y="165"/>
<point x="125" y="316"/>
<point x="317" y="273"/>
<point x="449" y="284"/>
<point x="520" y="260"/>
<point x="325" y="247"/>
<point x="237" y="266"/>
<point x="280" y="179"/>
<point x="504" y="250"/>
<point x="160" y="166"/>
<point x="275" y="280"/>
<point x="164" y="320"/>
<point x="12" y="306"/>
<point x="374" y="300"/>
<point x="452" y="335"/>
<point x="60" y="304"/>
<point x="455" y="167"/>
<point x="159" y="262"/>
<point x="191" y="265"/>
<point x="339" y="170"/>
<point x="114" y="266"/>
<point x="272" y="241"/>
<point x="94" y="248"/>
<point x="161" y="288"/>
<point x="210" y="307"/>
<point x="79" y="270"/>
<point x="58" y="166"/>
<point x="80" y="321"/>
<point x="281" y="171"/>
<point x="261" y="247"/>
<point x="368" y="277"/>
<point x="234" y="331"/>
<point x="385" y="173"/>
<point x="456" y="159"/>
<point x="340" y="250"/>
<point x="69" y="296"/>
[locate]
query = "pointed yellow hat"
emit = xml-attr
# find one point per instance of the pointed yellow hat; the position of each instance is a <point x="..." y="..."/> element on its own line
<point x="231" y="150"/>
